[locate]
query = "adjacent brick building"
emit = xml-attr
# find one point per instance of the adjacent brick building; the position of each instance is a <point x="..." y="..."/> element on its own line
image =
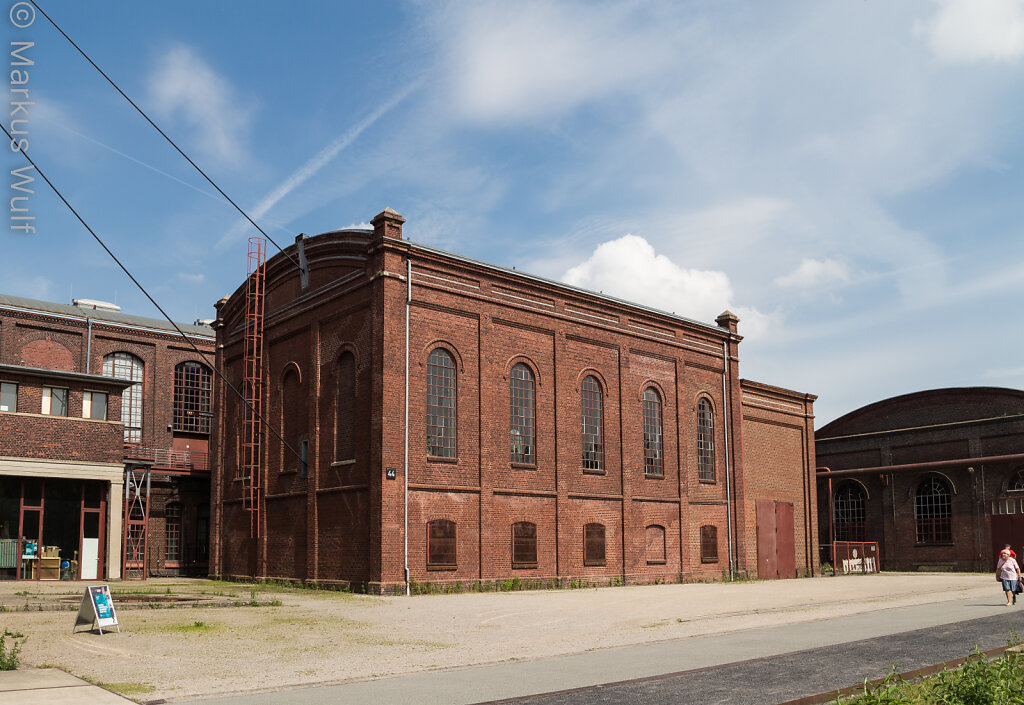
<point x="553" y="433"/>
<point x="87" y="392"/>
<point x="935" y="477"/>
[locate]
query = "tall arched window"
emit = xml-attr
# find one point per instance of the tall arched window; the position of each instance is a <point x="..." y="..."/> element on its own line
<point x="522" y="426"/>
<point x="123" y="365"/>
<point x="441" y="404"/>
<point x="848" y="512"/>
<point x="705" y="441"/>
<point x="933" y="510"/>
<point x="193" y="385"/>
<point x="172" y="532"/>
<point x="293" y="419"/>
<point x="592" y="408"/>
<point x="345" y="404"/>
<point x="653" y="461"/>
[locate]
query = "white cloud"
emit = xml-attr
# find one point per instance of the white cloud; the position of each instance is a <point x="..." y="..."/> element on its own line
<point x="533" y="59"/>
<point x="630" y="269"/>
<point x="976" y="31"/>
<point x="195" y="278"/>
<point x="813" y="273"/>
<point x="184" y="87"/>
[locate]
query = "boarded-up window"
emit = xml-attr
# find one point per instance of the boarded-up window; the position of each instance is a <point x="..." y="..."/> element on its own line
<point x="709" y="544"/>
<point x="344" y="411"/>
<point x="441" y="545"/>
<point x="655" y="545"/>
<point x="524" y="545"/>
<point x="593" y="544"/>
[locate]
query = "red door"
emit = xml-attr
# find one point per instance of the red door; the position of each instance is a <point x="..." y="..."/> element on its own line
<point x="784" y="539"/>
<point x="767" y="560"/>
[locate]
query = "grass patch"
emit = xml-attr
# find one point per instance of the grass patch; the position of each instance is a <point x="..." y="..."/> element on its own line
<point x="9" y="654"/>
<point x="194" y="628"/>
<point x="128" y="687"/>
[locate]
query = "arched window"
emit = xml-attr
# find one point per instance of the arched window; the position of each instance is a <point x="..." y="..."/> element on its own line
<point x="932" y="510"/>
<point x="293" y="419"/>
<point x="441" y="545"/>
<point x="1017" y="483"/>
<point x="709" y="544"/>
<point x="593" y="544"/>
<point x="123" y="365"/>
<point x="522" y="400"/>
<point x="344" y="412"/>
<point x="655" y="544"/>
<point x="441" y="404"/>
<point x="653" y="461"/>
<point x="705" y="441"/>
<point x="193" y="385"/>
<point x="172" y="532"/>
<point x="524" y="545"/>
<point x="592" y="408"/>
<point x="848" y="512"/>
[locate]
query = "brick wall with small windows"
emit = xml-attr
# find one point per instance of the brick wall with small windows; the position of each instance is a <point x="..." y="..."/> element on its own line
<point x="935" y="478"/>
<point x="553" y="433"/>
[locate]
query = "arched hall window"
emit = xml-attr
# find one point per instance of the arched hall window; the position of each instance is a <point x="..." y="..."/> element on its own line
<point x="848" y="512"/>
<point x="933" y="509"/>
<point x="124" y="365"/>
<point x="705" y="441"/>
<point x="653" y="460"/>
<point x="592" y="408"/>
<point x="522" y="426"/>
<point x="441" y="404"/>
<point x="193" y="385"/>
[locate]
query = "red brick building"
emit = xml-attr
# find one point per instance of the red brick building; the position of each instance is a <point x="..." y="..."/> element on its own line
<point x="935" y="477"/>
<point x="553" y="433"/>
<point x="87" y="393"/>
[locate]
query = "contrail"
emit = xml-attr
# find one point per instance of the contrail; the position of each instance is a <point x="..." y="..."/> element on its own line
<point x="318" y="162"/>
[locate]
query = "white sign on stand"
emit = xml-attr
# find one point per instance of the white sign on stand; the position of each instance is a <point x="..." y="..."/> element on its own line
<point x="97" y="609"/>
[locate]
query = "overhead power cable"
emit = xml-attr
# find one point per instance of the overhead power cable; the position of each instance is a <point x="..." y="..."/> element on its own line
<point x="164" y="134"/>
<point x="151" y="299"/>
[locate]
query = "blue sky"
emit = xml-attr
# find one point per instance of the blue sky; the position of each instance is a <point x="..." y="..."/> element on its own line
<point x="845" y="176"/>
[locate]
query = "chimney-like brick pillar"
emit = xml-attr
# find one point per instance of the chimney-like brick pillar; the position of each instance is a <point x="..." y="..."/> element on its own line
<point x="726" y="319"/>
<point x="387" y="223"/>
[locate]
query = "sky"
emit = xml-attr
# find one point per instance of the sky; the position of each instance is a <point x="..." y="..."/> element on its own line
<point x="845" y="176"/>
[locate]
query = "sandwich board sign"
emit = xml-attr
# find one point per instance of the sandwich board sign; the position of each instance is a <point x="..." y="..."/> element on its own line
<point x="97" y="609"/>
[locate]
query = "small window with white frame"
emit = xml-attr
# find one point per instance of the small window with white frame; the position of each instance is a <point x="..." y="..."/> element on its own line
<point x="8" y="396"/>
<point x="55" y="401"/>
<point x="94" y="405"/>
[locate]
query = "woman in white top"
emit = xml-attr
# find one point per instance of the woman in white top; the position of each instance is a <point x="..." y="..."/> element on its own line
<point x="1008" y="572"/>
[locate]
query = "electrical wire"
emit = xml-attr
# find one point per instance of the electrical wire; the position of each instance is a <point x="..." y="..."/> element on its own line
<point x="151" y="299"/>
<point x="163" y="134"/>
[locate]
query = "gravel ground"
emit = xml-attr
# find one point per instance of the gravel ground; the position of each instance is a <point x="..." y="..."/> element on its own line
<point x="324" y="637"/>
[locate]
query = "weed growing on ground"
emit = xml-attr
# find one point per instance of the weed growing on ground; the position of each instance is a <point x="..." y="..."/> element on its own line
<point x="9" y="654"/>
<point x="195" y="627"/>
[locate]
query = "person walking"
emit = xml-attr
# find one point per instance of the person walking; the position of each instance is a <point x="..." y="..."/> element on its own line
<point x="1008" y="571"/>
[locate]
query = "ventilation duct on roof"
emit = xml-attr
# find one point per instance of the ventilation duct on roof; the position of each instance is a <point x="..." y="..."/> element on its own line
<point x="93" y="305"/>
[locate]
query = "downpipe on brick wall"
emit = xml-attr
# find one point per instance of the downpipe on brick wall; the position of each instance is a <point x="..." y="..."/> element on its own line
<point x="408" y="304"/>
<point x="728" y="474"/>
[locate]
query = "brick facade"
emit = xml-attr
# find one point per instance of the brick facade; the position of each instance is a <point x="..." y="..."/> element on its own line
<point x="75" y="340"/>
<point x="971" y="440"/>
<point x="344" y="522"/>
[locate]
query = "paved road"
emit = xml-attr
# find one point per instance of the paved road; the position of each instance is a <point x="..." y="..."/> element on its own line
<point x="768" y="666"/>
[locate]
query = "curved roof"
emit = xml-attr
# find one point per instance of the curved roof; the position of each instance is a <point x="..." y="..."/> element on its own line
<point x="928" y="408"/>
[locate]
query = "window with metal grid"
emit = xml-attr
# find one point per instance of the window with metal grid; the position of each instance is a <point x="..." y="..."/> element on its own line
<point x="705" y="441"/>
<point x="172" y="532"/>
<point x="848" y="513"/>
<point x="933" y="511"/>
<point x="522" y="426"/>
<point x="524" y="545"/>
<point x="441" y="404"/>
<point x="708" y="544"/>
<point x="593" y="544"/>
<point x="592" y="406"/>
<point x="653" y="462"/>
<point x="1017" y="484"/>
<point x="124" y="365"/>
<point x="344" y="413"/>
<point x="441" y="545"/>
<point x="193" y="388"/>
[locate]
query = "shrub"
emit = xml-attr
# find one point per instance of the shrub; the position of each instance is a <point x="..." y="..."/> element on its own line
<point x="9" y="654"/>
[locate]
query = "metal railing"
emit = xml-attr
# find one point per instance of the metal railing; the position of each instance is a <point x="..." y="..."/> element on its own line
<point x="168" y="457"/>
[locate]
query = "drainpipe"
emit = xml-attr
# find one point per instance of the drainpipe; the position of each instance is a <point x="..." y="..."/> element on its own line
<point x="88" y="346"/>
<point x="728" y="474"/>
<point x="408" y="302"/>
